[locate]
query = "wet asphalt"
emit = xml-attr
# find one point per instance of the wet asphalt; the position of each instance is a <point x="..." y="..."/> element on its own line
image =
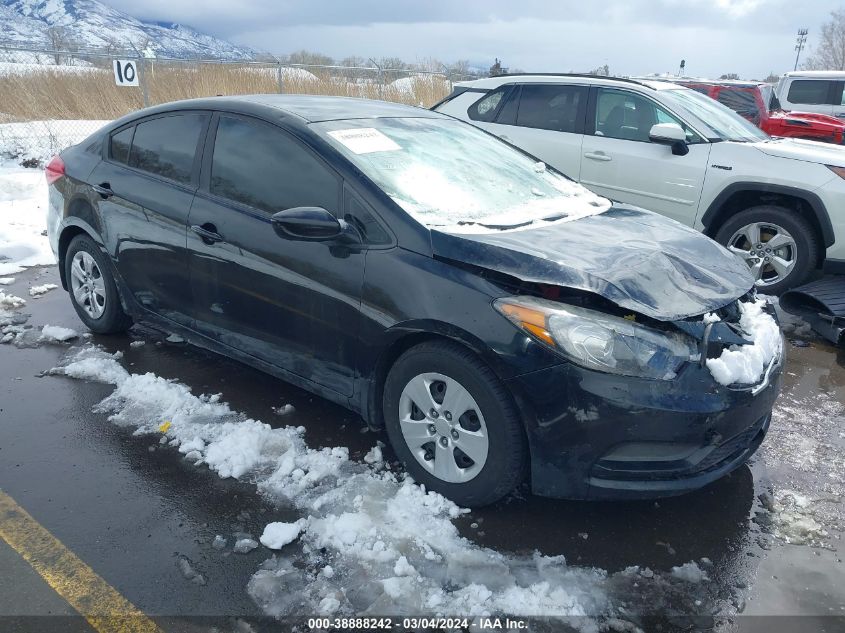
<point x="132" y="511"/>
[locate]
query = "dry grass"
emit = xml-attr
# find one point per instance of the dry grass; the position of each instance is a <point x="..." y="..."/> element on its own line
<point x="51" y="94"/>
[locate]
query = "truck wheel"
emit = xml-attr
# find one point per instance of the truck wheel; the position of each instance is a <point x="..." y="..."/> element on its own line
<point x="453" y="424"/>
<point x="779" y="246"/>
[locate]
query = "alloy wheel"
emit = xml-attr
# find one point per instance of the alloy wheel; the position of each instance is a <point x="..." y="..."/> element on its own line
<point x="443" y="427"/>
<point x="768" y="249"/>
<point x="87" y="284"/>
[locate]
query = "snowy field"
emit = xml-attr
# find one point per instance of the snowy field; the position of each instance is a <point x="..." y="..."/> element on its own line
<point x="367" y="539"/>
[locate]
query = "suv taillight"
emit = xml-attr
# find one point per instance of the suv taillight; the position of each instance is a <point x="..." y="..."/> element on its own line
<point x="54" y="170"/>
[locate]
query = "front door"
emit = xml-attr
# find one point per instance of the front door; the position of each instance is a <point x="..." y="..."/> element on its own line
<point x="293" y="304"/>
<point x="619" y="161"/>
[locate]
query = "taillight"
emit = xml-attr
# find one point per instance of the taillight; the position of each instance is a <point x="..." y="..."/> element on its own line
<point x="54" y="170"/>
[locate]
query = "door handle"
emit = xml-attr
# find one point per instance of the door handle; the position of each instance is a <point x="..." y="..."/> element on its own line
<point x="104" y="189"/>
<point x="597" y="156"/>
<point x="207" y="232"/>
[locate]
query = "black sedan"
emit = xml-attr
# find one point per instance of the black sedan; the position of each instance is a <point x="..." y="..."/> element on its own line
<point x="501" y="322"/>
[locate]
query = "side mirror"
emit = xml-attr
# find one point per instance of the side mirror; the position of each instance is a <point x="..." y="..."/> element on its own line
<point x="310" y="224"/>
<point x="670" y="134"/>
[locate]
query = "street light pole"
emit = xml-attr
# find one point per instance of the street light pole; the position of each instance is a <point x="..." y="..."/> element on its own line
<point x="800" y="41"/>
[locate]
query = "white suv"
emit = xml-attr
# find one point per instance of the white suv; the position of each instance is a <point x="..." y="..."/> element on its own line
<point x="777" y="203"/>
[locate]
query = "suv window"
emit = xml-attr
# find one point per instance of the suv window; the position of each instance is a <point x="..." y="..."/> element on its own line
<point x="809" y="91"/>
<point x="552" y="107"/>
<point x="119" y="145"/>
<point x="263" y="167"/>
<point x="742" y="101"/>
<point x="485" y="109"/>
<point x="166" y="146"/>
<point x="626" y="115"/>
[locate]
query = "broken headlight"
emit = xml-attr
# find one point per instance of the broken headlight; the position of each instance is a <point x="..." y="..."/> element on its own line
<point x="599" y="341"/>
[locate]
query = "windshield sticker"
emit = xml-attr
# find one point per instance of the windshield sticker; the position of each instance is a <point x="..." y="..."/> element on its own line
<point x="365" y="140"/>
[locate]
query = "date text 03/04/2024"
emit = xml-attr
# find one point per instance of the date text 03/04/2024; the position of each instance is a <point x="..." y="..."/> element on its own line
<point x="418" y="623"/>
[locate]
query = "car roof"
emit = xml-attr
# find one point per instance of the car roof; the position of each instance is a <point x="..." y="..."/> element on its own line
<point x="305" y="108"/>
<point x="724" y="83"/>
<point x="494" y="82"/>
<point x="817" y="74"/>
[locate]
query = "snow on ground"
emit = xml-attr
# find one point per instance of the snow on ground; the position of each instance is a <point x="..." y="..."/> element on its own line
<point x="370" y="540"/>
<point x="23" y="217"/>
<point x="745" y="364"/>
<point x="58" y="333"/>
<point x="40" y="140"/>
<point x="38" y="291"/>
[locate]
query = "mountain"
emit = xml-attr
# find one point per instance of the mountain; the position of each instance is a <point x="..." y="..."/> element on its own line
<point x="89" y="24"/>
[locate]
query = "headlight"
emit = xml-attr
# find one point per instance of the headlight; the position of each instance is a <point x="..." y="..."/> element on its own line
<point x="598" y="341"/>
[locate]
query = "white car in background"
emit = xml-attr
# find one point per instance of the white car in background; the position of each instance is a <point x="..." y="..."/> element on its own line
<point x="820" y="91"/>
<point x="777" y="203"/>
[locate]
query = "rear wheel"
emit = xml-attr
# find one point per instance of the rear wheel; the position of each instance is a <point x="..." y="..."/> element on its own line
<point x="453" y="424"/>
<point x="779" y="246"/>
<point x="92" y="288"/>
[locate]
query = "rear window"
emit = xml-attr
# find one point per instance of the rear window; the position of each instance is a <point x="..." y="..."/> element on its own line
<point x="743" y="102"/>
<point x="166" y="146"/>
<point x="809" y="91"/>
<point x="557" y="108"/>
<point x="485" y="109"/>
<point x="119" y="145"/>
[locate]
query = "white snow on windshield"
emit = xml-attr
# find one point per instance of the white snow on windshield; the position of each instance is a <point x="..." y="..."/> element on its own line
<point x="451" y="176"/>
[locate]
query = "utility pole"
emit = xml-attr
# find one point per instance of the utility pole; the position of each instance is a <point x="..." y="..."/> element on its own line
<point x="800" y="41"/>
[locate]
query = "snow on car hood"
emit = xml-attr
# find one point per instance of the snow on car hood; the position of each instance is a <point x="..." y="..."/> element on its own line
<point x="637" y="259"/>
<point x="799" y="149"/>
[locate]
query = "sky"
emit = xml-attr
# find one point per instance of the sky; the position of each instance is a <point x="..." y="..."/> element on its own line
<point x="749" y="37"/>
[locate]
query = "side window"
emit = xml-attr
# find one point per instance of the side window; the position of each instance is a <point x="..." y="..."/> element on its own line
<point x="559" y="108"/>
<point x="485" y="109"/>
<point x="119" y="145"/>
<point x="809" y="91"/>
<point x="626" y="115"/>
<point x="358" y="214"/>
<point x="261" y="166"/>
<point x="743" y="102"/>
<point x="166" y="146"/>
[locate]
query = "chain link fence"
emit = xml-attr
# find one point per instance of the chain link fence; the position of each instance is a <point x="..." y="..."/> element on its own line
<point x="51" y="99"/>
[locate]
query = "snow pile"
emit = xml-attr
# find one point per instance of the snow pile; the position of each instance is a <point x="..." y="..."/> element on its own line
<point x="392" y="547"/>
<point x="57" y="333"/>
<point x="7" y="281"/>
<point x="11" y="301"/>
<point x="745" y="364"/>
<point x="277" y="535"/>
<point x="23" y="211"/>
<point x="37" y="291"/>
<point x="370" y="540"/>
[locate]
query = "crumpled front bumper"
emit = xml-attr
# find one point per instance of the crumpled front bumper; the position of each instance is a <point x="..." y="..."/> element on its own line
<point x="600" y="436"/>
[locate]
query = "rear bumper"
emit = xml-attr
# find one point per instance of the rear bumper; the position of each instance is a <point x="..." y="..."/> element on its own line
<point x="598" y="436"/>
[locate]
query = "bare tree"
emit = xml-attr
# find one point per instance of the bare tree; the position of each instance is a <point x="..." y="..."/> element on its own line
<point x="730" y="76"/>
<point x="307" y="58"/>
<point x="60" y="40"/>
<point x="829" y="53"/>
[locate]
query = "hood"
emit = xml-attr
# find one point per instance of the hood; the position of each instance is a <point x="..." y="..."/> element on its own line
<point x="637" y="259"/>
<point x="814" y="119"/>
<point x="799" y="149"/>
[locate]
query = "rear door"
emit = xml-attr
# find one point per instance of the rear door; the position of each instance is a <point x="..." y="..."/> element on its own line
<point x="148" y="179"/>
<point x="812" y="95"/>
<point x="546" y="120"/>
<point x="292" y="304"/>
<point x="620" y="162"/>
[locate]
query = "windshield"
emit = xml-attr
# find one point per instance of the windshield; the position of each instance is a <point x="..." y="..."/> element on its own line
<point x="452" y="176"/>
<point x="721" y="119"/>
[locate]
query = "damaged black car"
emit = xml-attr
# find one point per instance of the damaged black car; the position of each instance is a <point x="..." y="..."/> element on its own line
<point x="502" y="323"/>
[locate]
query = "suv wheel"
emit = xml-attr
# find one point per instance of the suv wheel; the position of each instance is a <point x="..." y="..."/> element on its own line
<point x="453" y="424"/>
<point x="779" y="246"/>
<point x="92" y="288"/>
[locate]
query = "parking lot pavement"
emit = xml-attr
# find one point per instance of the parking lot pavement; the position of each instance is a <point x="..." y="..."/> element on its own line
<point x="764" y="541"/>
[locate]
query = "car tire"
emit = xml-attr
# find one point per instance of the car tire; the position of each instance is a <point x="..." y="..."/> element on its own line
<point x="801" y="244"/>
<point x="490" y="412"/>
<point x="92" y="287"/>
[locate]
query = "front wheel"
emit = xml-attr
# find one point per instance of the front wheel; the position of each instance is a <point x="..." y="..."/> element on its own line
<point x="454" y="425"/>
<point x="779" y="246"/>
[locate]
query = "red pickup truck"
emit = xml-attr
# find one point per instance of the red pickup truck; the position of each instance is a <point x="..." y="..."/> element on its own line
<point x="757" y="103"/>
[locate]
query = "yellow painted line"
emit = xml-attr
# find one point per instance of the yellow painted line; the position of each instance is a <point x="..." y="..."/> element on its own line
<point x="100" y="603"/>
